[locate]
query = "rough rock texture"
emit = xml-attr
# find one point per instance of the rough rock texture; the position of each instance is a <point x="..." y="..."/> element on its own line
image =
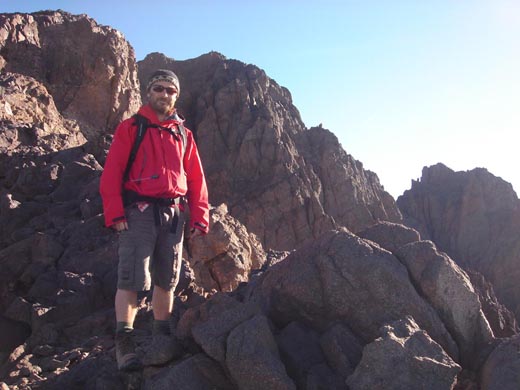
<point x="342" y="349"/>
<point x="88" y="69"/>
<point x="225" y="257"/>
<point x="252" y="357"/>
<point x="500" y="318"/>
<point x="390" y="236"/>
<point x="404" y="357"/>
<point x="475" y="218"/>
<point x="285" y="183"/>
<point x="502" y="368"/>
<point x="448" y="289"/>
<point x="297" y="317"/>
<point x="197" y="372"/>
<point x="344" y="278"/>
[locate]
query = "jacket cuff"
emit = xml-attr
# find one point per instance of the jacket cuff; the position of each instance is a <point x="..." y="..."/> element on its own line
<point x="200" y="226"/>
<point x="117" y="219"/>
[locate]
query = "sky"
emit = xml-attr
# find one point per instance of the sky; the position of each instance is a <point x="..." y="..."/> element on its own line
<point x="403" y="84"/>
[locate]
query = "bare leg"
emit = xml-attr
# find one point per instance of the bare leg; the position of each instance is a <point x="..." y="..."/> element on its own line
<point x="162" y="303"/>
<point x="126" y="306"/>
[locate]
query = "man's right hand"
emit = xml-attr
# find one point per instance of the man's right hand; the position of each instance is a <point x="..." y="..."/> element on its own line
<point x="120" y="226"/>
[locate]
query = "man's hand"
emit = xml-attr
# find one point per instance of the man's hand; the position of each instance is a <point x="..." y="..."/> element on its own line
<point x="120" y="226"/>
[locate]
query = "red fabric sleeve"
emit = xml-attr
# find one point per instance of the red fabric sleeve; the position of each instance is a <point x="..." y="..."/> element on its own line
<point x="197" y="190"/>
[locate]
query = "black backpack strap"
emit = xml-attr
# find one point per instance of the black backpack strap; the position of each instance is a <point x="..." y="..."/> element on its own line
<point x="142" y="125"/>
<point x="182" y="132"/>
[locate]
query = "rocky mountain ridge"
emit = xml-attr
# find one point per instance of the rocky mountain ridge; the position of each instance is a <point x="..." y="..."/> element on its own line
<point x="307" y="279"/>
<point x="474" y="217"/>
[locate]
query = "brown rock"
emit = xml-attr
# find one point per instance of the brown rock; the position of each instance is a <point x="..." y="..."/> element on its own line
<point x="252" y="357"/>
<point x="88" y="69"/>
<point x="342" y="349"/>
<point x="474" y="217"/>
<point x="31" y="117"/>
<point x="448" y="289"/>
<point x="22" y="262"/>
<point x="343" y="278"/>
<point x="65" y="80"/>
<point x="300" y="349"/>
<point x="210" y="323"/>
<point x="501" y="320"/>
<point x="390" y="236"/>
<point x="404" y="357"/>
<point x="285" y="183"/>
<point x="225" y="257"/>
<point x="502" y="366"/>
<point x="196" y="372"/>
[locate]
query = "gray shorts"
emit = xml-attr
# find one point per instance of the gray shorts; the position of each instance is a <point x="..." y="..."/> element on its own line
<point x="150" y="254"/>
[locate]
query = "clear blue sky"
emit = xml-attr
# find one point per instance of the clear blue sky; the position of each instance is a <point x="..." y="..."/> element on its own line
<point x="403" y="84"/>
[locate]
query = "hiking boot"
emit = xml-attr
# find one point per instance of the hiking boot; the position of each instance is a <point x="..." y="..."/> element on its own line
<point x="163" y="349"/>
<point x="126" y="357"/>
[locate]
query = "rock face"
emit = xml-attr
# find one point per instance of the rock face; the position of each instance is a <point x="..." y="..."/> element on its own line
<point x="502" y="367"/>
<point x="500" y="318"/>
<point x="404" y="357"/>
<point x="247" y="315"/>
<point x="88" y="69"/>
<point x="475" y="218"/>
<point x="225" y="257"/>
<point x="336" y="276"/>
<point x="448" y="288"/>
<point x="285" y="183"/>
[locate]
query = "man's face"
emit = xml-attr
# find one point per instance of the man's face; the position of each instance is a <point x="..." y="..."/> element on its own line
<point x="162" y="97"/>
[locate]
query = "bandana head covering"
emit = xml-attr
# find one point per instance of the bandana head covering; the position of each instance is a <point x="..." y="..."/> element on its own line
<point x="164" y="75"/>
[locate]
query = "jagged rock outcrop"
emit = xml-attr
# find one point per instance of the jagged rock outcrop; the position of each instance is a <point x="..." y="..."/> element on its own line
<point x="297" y="320"/>
<point x="500" y="318"/>
<point x="88" y="69"/>
<point x="337" y="275"/>
<point x="284" y="182"/>
<point x="448" y="289"/>
<point x="225" y="257"/>
<point x="404" y="357"/>
<point x="323" y="303"/>
<point x="393" y="237"/>
<point x="475" y="218"/>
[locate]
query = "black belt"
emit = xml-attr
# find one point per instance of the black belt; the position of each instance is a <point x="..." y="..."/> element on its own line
<point x="131" y="197"/>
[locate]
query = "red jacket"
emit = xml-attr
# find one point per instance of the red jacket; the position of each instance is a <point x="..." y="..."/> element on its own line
<point x="157" y="170"/>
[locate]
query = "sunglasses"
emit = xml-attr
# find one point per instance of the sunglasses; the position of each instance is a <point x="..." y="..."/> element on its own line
<point x="160" y="89"/>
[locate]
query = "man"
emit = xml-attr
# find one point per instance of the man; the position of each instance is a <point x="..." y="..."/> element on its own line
<point x="145" y="204"/>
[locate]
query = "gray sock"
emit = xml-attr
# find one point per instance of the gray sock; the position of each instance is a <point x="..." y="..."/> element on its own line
<point x="124" y="327"/>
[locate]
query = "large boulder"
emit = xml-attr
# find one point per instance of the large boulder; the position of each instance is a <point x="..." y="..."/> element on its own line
<point x="252" y="357"/>
<point x="341" y="277"/>
<point x="449" y="290"/>
<point x="225" y="257"/>
<point x="474" y="217"/>
<point x="404" y="357"/>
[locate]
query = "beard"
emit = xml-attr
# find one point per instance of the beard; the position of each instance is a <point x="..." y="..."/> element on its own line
<point x="162" y="106"/>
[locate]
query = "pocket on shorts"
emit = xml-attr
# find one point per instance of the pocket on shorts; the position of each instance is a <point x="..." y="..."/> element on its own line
<point x="126" y="266"/>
